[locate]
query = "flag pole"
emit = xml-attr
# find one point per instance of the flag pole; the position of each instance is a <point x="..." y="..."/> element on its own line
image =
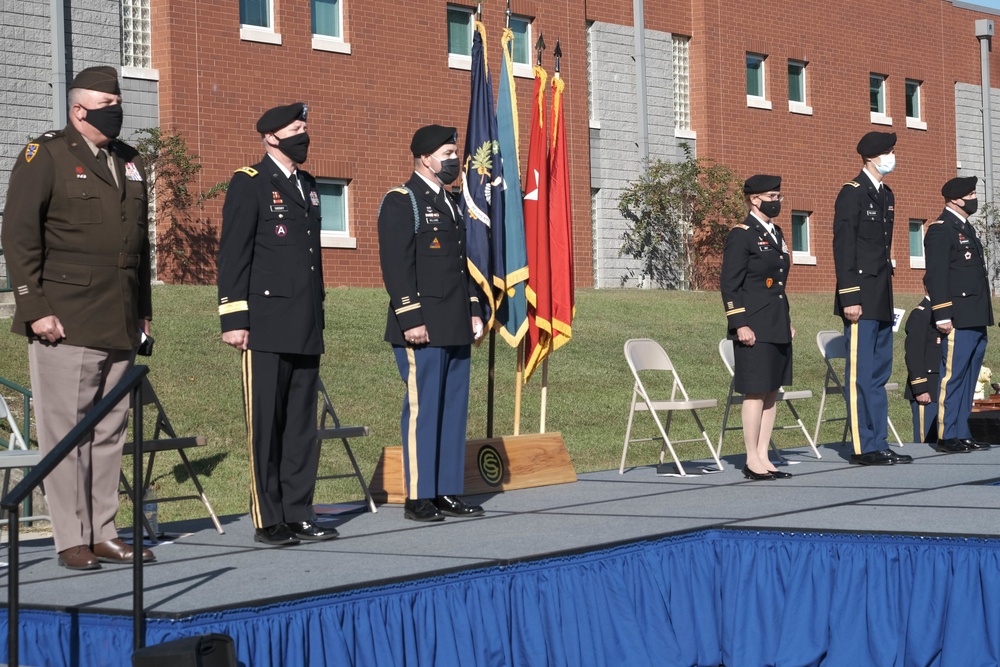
<point x="518" y="375"/>
<point x="545" y="395"/>
<point x="491" y="384"/>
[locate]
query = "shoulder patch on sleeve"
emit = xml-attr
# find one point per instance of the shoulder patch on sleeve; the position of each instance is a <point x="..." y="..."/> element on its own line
<point x="249" y="171"/>
<point x="853" y="184"/>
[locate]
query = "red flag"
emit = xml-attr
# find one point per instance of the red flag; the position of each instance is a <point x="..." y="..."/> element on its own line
<point x="560" y="225"/>
<point x="536" y="234"/>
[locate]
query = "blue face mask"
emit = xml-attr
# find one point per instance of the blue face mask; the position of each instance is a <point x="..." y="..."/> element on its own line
<point x="886" y="163"/>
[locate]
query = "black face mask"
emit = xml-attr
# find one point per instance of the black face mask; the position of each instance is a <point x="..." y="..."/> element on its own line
<point x="296" y="147"/>
<point x="449" y="170"/>
<point x="106" y="120"/>
<point x="970" y="206"/>
<point x="770" y="208"/>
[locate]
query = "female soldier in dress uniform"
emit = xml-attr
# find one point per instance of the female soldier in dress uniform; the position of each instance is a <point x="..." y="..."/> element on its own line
<point x="755" y="267"/>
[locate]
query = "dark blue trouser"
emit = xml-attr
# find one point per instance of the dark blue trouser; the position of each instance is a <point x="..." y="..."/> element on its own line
<point x="925" y="425"/>
<point x="868" y="367"/>
<point x="435" y="414"/>
<point x="962" y="354"/>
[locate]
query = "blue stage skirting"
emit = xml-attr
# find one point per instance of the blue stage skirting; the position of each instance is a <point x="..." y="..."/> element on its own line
<point x="709" y="598"/>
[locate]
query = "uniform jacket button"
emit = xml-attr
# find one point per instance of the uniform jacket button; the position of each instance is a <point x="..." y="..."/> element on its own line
<point x="267" y="292"/>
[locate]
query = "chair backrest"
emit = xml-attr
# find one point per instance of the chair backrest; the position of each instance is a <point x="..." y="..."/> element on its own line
<point x="644" y="354"/>
<point x="832" y="345"/>
<point x="727" y="354"/>
<point x="16" y="440"/>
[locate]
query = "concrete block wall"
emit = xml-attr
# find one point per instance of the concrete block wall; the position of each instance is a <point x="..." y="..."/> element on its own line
<point x="614" y="149"/>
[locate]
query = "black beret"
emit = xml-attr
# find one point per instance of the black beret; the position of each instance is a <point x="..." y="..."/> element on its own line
<point x="876" y="143"/>
<point x="429" y="138"/>
<point x="957" y="188"/>
<point x="103" y="79"/>
<point x="761" y="183"/>
<point x="274" y="119"/>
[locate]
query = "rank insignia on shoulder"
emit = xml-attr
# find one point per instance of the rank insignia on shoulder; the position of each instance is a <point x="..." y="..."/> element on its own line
<point x="853" y="184"/>
<point x="741" y="226"/>
<point x="435" y="244"/>
<point x="400" y="190"/>
<point x="249" y="171"/>
<point x="30" y="151"/>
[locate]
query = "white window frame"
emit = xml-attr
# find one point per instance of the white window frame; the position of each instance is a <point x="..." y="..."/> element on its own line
<point x="758" y="101"/>
<point x="137" y="71"/>
<point x="680" y="57"/>
<point x="329" y="42"/>
<point x="592" y="106"/>
<point x="915" y="261"/>
<point x="332" y="239"/>
<point x="802" y="256"/>
<point x="265" y="35"/>
<point x="917" y="122"/>
<point x="800" y="107"/>
<point x="880" y="117"/>
<point x="524" y="70"/>
<point x="457" y="60"/>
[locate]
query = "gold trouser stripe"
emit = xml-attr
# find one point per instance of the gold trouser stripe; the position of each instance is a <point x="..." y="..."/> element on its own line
<point x="943" y="392"/>
<point x="248" y="414"/>
<point x="923" y="427"/>
<point x="411" y="432"/>
<point x="853" y="360"/>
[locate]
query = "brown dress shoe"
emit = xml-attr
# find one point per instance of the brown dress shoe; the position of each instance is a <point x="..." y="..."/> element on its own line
<point x="78" y="558"/>
<point x="116" y="551"/>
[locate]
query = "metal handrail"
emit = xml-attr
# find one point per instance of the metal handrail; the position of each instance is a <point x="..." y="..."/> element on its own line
<point x="130" y="383"/>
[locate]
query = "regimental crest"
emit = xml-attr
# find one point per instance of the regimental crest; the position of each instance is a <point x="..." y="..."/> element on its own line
<point x="30" y="151"/>
<point x="769" y="282"/>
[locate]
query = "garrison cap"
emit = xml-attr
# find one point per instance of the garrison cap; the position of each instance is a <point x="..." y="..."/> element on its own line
<point x="761" y="183"/>
<point x="957" y="188"/>
<point x="874" y="144"/>
<point x="429" y="138"/>
<point x="274" y="119"/>
<point x="103" y="79"/>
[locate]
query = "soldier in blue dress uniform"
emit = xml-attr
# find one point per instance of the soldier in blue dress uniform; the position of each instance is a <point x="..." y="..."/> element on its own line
<point x="862" y="243"/>
<point x="433" y="319"/>
<point x="923" y="371"/>
<point x="959" y="290"/>
<point x="271" y="306"/>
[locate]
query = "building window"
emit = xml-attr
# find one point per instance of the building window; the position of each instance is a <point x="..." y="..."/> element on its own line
<point x="801" y="253"/>
<point x="136" y="51"/>
<point x="916" y="244"/>
<point x="877" y="102"/>
<point x="756" y="89"/>
<point x="797" y="88"/>
<point x="257" y="22"/>
<point x="914" y="110"/>
<point x="682" y="87"/>
<point x="591" y="79"/>
<point x="460" y="26"/>
<point x="521" y="48"/>
<point x="335" y="230"/>
<point x="328" y="26"/>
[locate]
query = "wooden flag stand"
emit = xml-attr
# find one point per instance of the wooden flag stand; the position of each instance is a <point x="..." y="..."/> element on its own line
<point x="492" y="465"/>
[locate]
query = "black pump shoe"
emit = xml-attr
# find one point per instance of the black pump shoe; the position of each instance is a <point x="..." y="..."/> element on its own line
<point x="756" y="476"/>
<point x="779" y="474"/>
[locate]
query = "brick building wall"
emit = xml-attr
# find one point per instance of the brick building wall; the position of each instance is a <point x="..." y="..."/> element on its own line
<point x="364" y="106"/>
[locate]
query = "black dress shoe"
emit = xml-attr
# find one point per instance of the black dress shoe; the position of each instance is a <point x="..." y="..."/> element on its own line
<point x="421" y="509"/>
<point x="278" y="535"/>
<point x="974" y="446"/>
<point x="756" y="476"/>
<point x="309" y="530"/>
<point x="455" y="506"/>
<point x="779" y="474"/>
<point x="898" y="458"/>
<point x="878" y="458"/>
<point x="951" y="446"/>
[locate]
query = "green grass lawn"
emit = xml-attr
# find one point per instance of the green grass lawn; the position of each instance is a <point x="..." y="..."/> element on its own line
<point x="198" y="380"/>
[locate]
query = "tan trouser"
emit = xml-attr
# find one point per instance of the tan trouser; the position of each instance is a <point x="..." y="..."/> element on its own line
<point x="82" y="491"/>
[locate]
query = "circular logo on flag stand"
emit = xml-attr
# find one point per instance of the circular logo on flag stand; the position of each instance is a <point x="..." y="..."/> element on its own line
<point x="490" y="465"/>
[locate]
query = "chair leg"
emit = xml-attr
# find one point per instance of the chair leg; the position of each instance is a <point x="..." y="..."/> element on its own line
<point x="895" y="433"/>
<point x="201" y="492"/>
<point x="361" y="479"/>
<point x="725" y="415"/>
<point x="136" y="533"/>
<point x="802" y="427"/>
<point x="704" y="435"/>
<point x="628" y="434"/>
<point x="666" y="441"/>
<point x="819" y="417"/>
